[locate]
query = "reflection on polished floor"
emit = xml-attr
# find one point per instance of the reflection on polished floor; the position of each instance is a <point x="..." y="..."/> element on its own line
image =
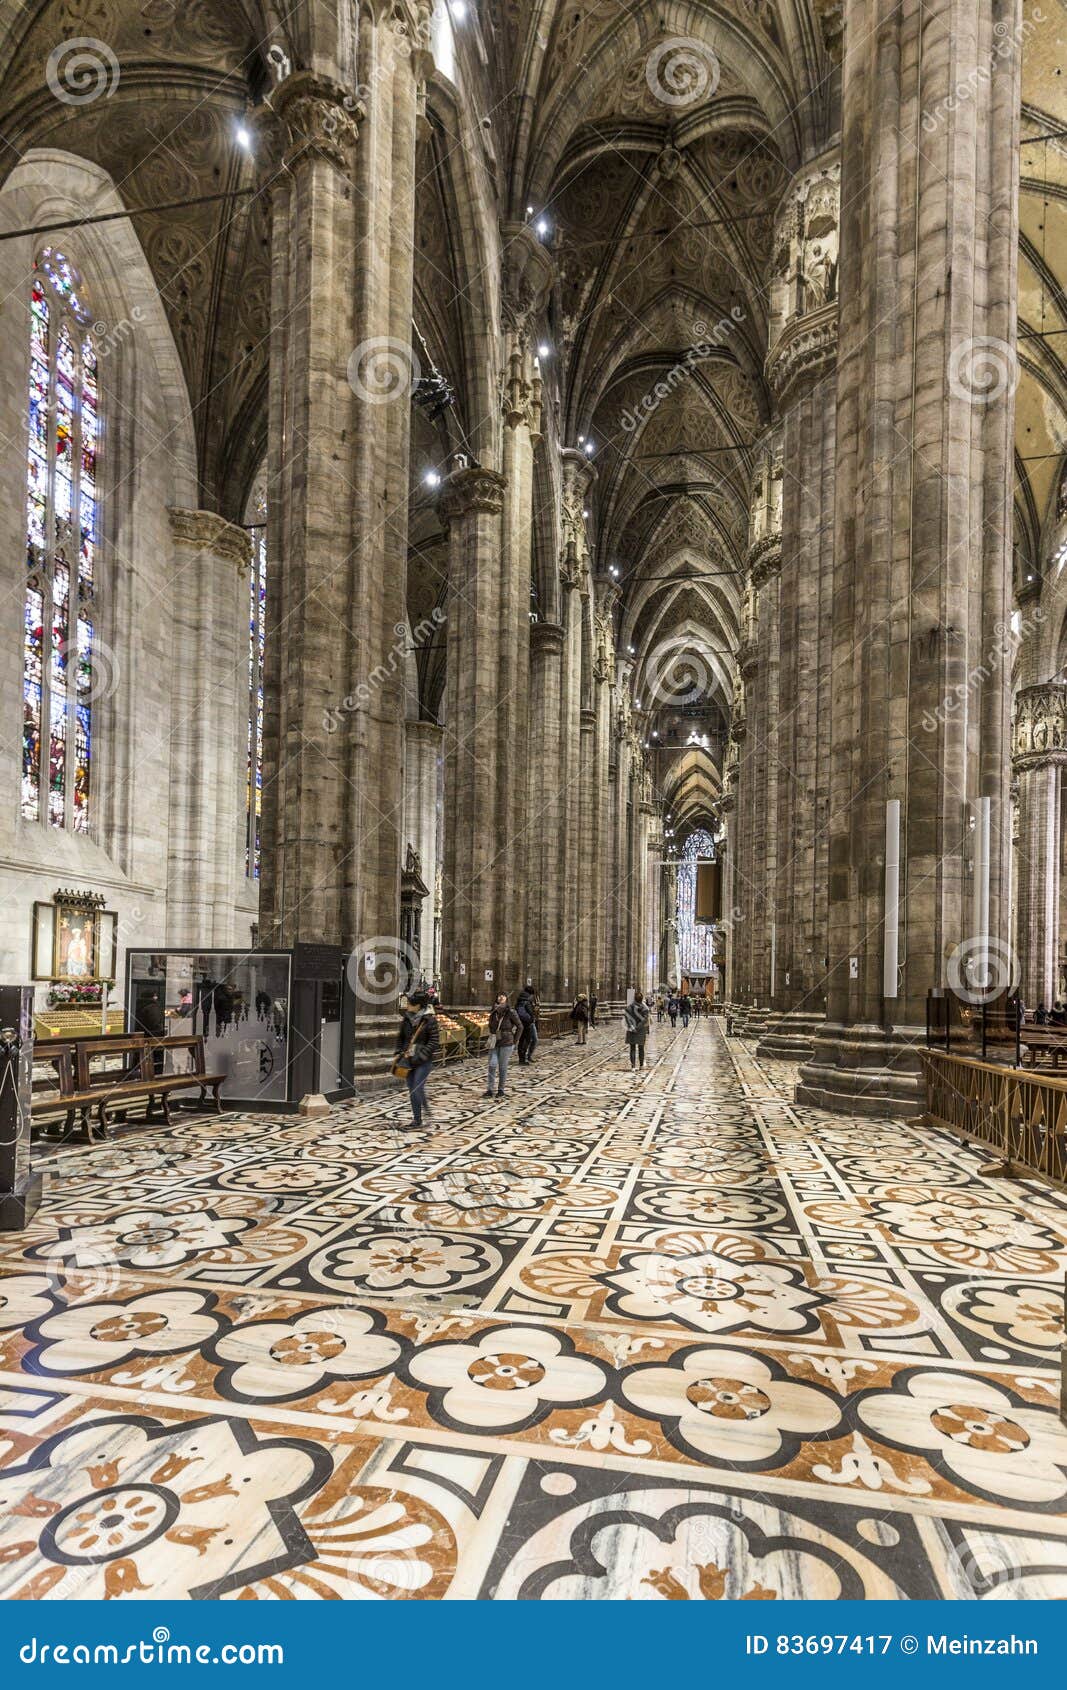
<point x="655" y="1338"/>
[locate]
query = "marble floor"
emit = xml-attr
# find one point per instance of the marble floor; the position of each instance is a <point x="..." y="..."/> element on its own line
<point x="655" y="1338"/>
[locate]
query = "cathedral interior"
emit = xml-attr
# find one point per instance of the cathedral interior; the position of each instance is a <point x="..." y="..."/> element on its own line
<point x="563" y="502"/>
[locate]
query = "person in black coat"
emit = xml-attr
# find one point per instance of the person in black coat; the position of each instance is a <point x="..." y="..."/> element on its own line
<point x="526" y="1009"/>
<point x="418" y="1043"/>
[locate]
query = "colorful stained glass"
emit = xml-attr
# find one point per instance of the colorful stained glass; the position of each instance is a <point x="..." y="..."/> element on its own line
<point x="696" y="941"/>
<point x="60" y="510"/>
<point x="31" y="706"/>
<point x="64" y="279"/>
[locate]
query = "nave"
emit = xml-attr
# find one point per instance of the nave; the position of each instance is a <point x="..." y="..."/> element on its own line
<point x="659" y="1337"/>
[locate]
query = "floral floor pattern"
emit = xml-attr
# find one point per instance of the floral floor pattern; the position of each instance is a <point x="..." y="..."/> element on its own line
<point x="665" y="1337"/>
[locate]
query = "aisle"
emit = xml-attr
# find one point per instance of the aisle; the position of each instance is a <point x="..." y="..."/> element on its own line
<point x="657" y="1337"/>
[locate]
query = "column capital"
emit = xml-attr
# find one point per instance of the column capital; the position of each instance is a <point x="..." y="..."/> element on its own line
<point x="205" y="531"/>
<point x="765" y="559"/>
<point x="1039" y="727"/>
<point x="471" y="488"/>
<point x="546" y="637"/>
<point x="527" y="272"/>
<point x="321" y="117"/>
<point x="802" y="326"/>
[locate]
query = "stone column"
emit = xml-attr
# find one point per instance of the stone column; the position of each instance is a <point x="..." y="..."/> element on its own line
<point x="603" y="794"/>
<point x="208" y="728"/>
<point x="526" y="278"/>
<point x="1039" y="752"/>
<point x="478" y="874"/>
<point x="423" y="749"/>
<point x="578" y="478"/>
<point x="801" y="370"/>
<point x="761" y="766"/>
<point x="341" y="377"/>
<point x="620" y="859"/>
<point x="926" y="375"/>
<point x="749" y="789"/>
<point x="545" y="882"/>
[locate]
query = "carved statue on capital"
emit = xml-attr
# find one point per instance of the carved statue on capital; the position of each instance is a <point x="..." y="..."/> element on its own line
<point x="321" y="118"/>
<point x="471" y="488"/>
<point x="1039" y="726"/>
<point x="802" y="319"/>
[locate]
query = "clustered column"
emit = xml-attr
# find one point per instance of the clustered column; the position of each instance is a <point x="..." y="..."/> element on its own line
<point x="923" y="484"/>
<point x="208" y="728"/>
<point x="801" y="371"/>
<point x="1039" y="753"/>
<point x="478" y="878"/>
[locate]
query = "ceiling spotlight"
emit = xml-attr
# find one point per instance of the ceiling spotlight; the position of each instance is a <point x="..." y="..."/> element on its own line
<point x="544" y="350"/>
<point x="542" y="226"/>
<point x="589" y="448"/>
<point x="631" y="651"/>
<point x="458" y="8"/>
<point x="655" y="733"/>
<point x="431" y="478"/>
<point x="243" y="138"/>
<point x="614" y="571"/>
<point x="585" y="513"/>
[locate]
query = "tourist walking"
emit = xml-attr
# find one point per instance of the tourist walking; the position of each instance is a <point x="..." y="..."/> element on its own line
<point x="660" y="1007"/>
<point x="580" y="1017"/>
<point x="593" y="1001"/>
<point x="685" y="1009"/>
<point x="504" y="1029"/>
<point x="637" y="1019"/>
<point x="417" y="1045"/>
<point x="526" y="1007"/>
<point x="672" y="1009"/>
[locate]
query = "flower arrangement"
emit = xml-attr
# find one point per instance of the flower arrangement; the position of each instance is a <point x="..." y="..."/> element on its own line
<point x="80" y="994"/>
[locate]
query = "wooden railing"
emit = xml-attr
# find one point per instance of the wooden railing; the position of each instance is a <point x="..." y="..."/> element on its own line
<point x="1020" y="1115"/>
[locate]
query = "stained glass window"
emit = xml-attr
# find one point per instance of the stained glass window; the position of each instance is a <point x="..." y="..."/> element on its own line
<point x="696" y="941"/>
<point x="61" y="539"/>
<point x="257" y="604"/>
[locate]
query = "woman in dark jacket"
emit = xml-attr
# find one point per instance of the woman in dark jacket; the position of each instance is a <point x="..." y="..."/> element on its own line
<point x="580" y="1017"/>
<point x="418" y="1043"/>
<point x="526" y="1010"/>
<point x="504" y="1029"/>
<point x="637" y="1019"/>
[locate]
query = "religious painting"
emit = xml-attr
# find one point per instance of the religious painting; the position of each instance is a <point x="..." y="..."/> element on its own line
<point x="74" y="939"/>
<point x="74" y="946"/>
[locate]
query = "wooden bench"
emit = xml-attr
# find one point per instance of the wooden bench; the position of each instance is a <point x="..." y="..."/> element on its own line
<point x="105" y="1074"/>
<point x="1043" y="1047"/>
